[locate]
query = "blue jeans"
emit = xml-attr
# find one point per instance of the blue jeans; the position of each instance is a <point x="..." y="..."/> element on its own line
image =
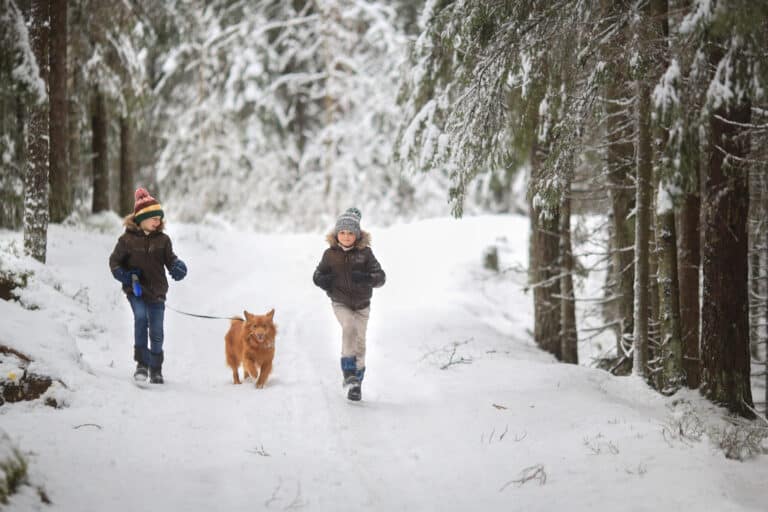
<point x="147" y="331"/>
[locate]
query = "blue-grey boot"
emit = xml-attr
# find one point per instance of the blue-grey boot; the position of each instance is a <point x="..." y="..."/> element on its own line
<point x="355" y="392"/>
<point x="349" y="370"/>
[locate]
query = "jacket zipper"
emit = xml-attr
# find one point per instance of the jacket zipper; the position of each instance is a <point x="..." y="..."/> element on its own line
<point x="348" y="271"/>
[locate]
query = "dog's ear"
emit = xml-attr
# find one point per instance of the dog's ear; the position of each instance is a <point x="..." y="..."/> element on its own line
<point x="247" y="315"/>
<point x="271" y="313"/>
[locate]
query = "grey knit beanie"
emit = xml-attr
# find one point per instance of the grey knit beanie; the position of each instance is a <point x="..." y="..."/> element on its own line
<point x="349" y="221"/>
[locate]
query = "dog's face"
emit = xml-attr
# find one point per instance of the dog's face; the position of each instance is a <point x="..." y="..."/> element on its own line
<point x="259" y="329"/>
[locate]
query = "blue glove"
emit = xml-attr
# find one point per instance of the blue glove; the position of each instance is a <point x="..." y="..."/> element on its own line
<point x="125" y="276"/>
<point x="136" y="285"/>
<point x="178" y="270"/>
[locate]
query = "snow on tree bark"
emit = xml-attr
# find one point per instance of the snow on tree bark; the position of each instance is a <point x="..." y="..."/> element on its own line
<point x="665" y="95"/>
<point x="669" y="301"/>
<point x="642" y="231"/>
<point x="36" y="176"/>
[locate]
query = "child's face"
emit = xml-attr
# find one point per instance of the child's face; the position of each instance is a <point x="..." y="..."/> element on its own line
<point x="346" y="238"/>
<point x="151" y="224"/>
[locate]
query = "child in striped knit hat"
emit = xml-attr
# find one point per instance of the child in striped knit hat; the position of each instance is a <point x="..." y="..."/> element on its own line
<point x="139" y="261"/>
<point x="348" y="272"/>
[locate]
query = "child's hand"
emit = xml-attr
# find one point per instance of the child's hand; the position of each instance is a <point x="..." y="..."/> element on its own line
<point x="361" y="277"/>
<point x="125" y="275"/>
<point x="324" y="281"/>
<point x="178" y="270"/>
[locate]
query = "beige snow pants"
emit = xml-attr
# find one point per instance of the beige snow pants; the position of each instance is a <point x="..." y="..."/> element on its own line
<point x="353" y="326"/>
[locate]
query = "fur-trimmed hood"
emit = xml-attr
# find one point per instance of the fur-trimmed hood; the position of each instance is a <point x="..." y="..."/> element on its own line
<point x="130" y="224"/>
<point x="361" y="243"/>
<point x="348" y="277"/>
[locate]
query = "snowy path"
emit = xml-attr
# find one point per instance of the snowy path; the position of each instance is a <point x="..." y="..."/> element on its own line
<point x="423" y="438"/>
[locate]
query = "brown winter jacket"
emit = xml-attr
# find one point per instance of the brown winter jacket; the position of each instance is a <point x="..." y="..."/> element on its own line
<point x="148" y="253"/>
<point x="340" y="263"/>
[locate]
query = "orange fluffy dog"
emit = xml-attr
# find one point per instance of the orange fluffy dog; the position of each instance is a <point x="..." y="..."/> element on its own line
<point x="252" y="343"/>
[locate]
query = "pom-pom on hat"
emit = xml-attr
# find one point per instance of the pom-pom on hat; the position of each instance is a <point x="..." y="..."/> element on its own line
<point x="145" y="206"/>
<point x="349" y="221"/>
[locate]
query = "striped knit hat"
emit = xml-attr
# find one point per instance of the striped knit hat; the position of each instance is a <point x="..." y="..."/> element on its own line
<point x="146" y="206"/>
<point x="349" y="221"/>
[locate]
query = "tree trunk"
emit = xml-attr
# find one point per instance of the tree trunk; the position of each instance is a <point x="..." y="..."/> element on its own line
<point x="126" y="166"/>
<point x="547" y="327"/>
<point x="642" y="230"/>
<point x="60" y="181"/>
<point x="619" y="161"/>
<point x="758" y="218"/>
<point x="78" y="172"/>
<point x="758" y="296"/>
<point x="725" y="318"/>
<point x="569" y="336"/>
<point x="545" y="248"/>
<point x="669" y="299"/>
<point x="544" y="265"/>
<point x="100" y="163"/>
<point x="12" y="177"/>
<point x="670" y="338"/>
<point x="689" y="258"/>
<point x="36" y="176"/>
<point x="11" y="169"/>
<point x="77" y="118"/>
<point x="765" y="282"/>
<point x="755" y="309"/>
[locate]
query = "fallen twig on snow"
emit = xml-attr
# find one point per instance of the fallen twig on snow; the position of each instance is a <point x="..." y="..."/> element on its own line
<point x="530" y="473"/>
<point x="88" y="425"/>
<point x="460" y="360"/>
<point x="259" y="451"/>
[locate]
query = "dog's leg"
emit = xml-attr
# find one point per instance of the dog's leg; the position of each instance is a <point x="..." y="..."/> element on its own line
<point x="266" y="369"/>
<point x="249" y="367"/>
<point x="235" y="376"/>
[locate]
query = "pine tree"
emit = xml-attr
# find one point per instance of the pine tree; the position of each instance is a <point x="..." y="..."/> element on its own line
<point x="642" y="231"/>
<point x="668" y="179"/>
<point x="292" y="101"/>
<point x="36" y="175"/>
<point x="100" y="148"/>
<point x="725" y="320"/>
<point x="21" y="86"/>
<point x="494" y="81"/>
<point x="60" y="178"/>
<point x="619" y="163"/>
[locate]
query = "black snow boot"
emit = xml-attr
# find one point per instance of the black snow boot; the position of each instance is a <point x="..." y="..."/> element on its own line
<point x="350" y="377"/>
<point x="355" y="392"/>
<point x="156" y="376"/>
<point x="141" y="373"/>
<point x="156" y="367"/>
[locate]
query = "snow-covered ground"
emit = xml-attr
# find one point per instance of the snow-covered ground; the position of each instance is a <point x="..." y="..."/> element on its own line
<point x="460" y="410"/>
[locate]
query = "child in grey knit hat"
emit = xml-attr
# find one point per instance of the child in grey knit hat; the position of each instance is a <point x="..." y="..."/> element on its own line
<point x="348" y="272"/>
